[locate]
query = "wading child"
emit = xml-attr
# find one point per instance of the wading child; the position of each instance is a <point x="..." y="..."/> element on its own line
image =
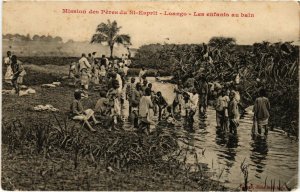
<point x="161" y="103"/>
<point x="153" y="98"/>
<point x="261" y="111"/>
<point x="220" y="107"/>
<point x="233" y="113"/>
<point x="144" y="86"/>
<point x="203" y="92"/>
<point x="178" y="101"/>
<point x="78" y="113"/>
<point x="141" y="74"/>
<point x="225" y="121"/>
<point x="193" y="105"/>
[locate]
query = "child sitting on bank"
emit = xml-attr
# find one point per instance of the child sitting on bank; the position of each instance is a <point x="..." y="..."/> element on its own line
<point x="78" y="113"/>
<point x="103" y="110"/>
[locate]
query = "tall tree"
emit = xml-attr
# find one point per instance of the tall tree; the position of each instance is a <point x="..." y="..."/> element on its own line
<point x="36" y="38"/>
<point x="222" y="42"/>
<point x="109" y="33"/>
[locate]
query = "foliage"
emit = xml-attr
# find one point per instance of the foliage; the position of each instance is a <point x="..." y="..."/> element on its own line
<point x="109" y="33"/>
<point x="273" y="66"/>
<point x="120" y="153"/>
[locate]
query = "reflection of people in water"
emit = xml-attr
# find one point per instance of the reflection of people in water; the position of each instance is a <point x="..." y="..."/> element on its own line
<point x="229" y="143"/>
<point x="259" y="154"/>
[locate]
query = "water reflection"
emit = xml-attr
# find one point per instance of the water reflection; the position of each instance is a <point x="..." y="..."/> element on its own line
<point x="259" y="152"/>
<point x="220" y="138"/>
<point x="228" y="144"/>
<point x="212" y="145"/>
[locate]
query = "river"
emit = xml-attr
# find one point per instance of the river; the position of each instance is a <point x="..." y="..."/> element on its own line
<point x="273" y="158"/>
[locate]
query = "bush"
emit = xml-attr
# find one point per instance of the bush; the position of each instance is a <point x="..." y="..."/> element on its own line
<point x="150" y="72"/>
<point x="48" y="60"/>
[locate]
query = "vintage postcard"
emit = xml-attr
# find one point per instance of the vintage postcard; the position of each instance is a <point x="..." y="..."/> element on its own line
<point x="150" y="96"/>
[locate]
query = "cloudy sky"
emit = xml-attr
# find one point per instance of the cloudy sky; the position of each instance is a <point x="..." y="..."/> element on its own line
<point x="274" y="21"/>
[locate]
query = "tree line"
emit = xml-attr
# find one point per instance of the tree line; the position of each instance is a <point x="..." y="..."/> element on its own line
<point x="19" y="37"/>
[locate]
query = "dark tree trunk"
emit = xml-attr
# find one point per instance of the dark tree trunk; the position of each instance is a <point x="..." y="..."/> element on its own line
<point x="111" y="51"/>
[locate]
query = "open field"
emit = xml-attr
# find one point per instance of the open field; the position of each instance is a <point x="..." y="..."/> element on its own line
<point x="60" y="49"/>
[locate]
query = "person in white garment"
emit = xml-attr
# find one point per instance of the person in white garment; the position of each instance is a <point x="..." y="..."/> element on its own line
<point x="85" y="76"/>
<point x="7" y="62"/>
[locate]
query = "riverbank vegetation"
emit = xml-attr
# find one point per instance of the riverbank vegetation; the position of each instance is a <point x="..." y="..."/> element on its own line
<point x="273" y="66"/>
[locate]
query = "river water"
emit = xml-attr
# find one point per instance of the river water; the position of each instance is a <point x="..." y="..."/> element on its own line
<point x="273" y="158"/>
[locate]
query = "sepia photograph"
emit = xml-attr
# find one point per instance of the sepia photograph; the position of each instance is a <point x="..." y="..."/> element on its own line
<point x="150" y="96"/>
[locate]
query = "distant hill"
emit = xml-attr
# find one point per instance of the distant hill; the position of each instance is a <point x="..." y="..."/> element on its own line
<point x="68" y="49"/>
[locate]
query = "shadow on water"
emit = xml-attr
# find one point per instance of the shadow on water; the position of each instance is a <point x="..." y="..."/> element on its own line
<point x="259" y="152"/>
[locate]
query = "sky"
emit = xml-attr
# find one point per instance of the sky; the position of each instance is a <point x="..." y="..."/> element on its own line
<point x="273" y="21"/>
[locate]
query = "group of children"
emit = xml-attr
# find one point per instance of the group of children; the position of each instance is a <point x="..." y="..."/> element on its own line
<point x="92" y="70"/>
<point x="14" y="71"/>
<point x="228" y="108"/>
<point x="144" y="103"/>
<point x="227" y="103"/>
<point x="114" y="90"/>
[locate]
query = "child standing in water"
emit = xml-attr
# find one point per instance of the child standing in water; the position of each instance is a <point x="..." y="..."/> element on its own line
<point x="261" y="111"/>
<point x="233" y="113"/>
<point x="141" y="74"/>
<point x="161" y="103"/>
<point x="220" y="108"/>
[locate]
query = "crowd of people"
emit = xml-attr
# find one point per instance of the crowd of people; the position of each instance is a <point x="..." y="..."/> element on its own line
<point x="144" y="103"/>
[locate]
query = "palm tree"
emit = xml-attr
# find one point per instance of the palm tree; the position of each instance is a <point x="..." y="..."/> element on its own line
<point x="108" y="32"/>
